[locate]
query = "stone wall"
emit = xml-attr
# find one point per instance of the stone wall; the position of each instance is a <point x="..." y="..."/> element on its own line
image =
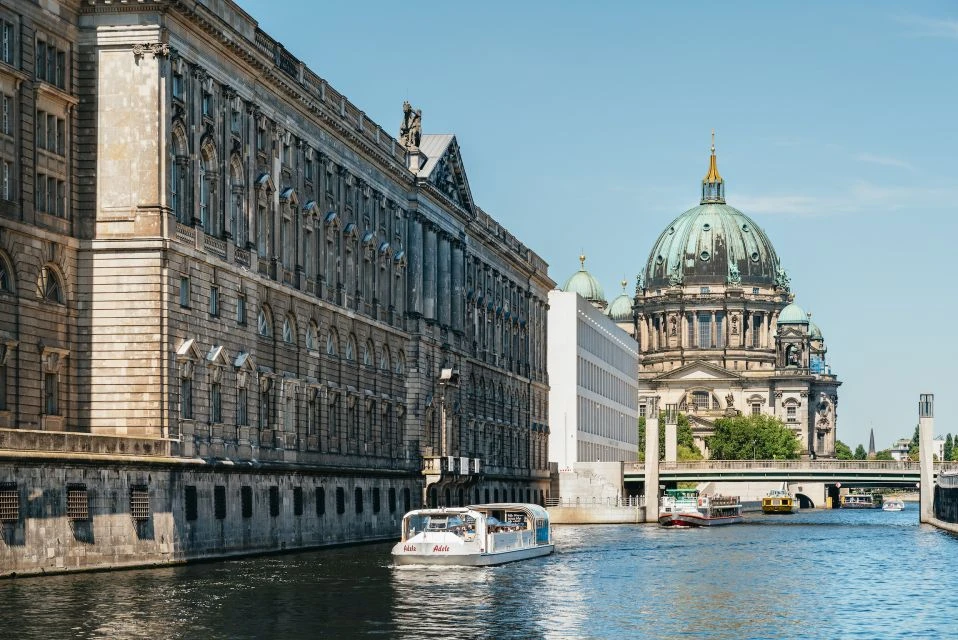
<point x="99" y="512"/>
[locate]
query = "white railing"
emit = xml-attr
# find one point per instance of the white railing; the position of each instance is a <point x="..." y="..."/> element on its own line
<point x="590" y="502"/>
<point x="804" y="465"/>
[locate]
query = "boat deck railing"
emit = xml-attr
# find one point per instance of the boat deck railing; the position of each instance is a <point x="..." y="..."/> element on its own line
<point x="632" y="502"/>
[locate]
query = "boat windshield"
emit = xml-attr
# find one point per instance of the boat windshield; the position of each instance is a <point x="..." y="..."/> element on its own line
<point x="458" y="524"/>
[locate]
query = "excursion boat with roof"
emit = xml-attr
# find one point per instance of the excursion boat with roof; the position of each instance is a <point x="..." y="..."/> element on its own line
<point x="778" y="501"/>
<point x="893" y="504"/>
<point x="861" y="500"/>
<point x="689" y="508"/>
<point x="475" y="536"/>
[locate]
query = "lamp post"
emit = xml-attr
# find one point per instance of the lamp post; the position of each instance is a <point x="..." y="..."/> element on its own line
<point x="926" y="434"/>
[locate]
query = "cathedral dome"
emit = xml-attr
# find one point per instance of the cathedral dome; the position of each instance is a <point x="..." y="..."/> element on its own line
<point x="793" y="314"/>
<point x="713" y="244"/>
<point x="814" y="332"/>
<point x="621" y="308"/>
<point x="585" y="285"/>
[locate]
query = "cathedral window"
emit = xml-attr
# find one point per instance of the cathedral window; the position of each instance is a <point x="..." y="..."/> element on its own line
<point x="791" y="414"/>
<point x="756" y="409"/>
<point x="719" y="329"/>
<point x="705" y="330"/>
<point x="756" y="330"/>
<point x="700" y="400"/>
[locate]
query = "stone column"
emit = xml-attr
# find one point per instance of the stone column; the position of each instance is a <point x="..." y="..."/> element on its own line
<point x="458" y="293"/>
<point x="713" y="332"/>
<point x="652" y="459"/>
<point x="926" y="435"/>
<point x="429" y="272"/>
<point x="444" y="269"/>
<point x="415" y="267"/>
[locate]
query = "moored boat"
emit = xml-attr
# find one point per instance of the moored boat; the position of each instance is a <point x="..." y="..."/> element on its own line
<point x="477" y="536"/>
<point x="778" y="501"/>
<point x="688" y="508"/>
<point x="893" y="504"/>
<point x="861" y="500"/>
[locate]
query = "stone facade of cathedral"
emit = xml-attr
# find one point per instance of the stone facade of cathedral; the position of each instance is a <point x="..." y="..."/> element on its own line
<point x="209" y="257"/>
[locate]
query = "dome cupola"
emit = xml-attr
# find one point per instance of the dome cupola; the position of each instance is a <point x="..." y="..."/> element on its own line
<point x="585" y="285"/>
<point x="792" y="314"/>
<point x="620" y="310"/>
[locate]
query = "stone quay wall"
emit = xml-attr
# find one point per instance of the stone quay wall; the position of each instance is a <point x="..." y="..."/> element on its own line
<point x="74" y="512"/>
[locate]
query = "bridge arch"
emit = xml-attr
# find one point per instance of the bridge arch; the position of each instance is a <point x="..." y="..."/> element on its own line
<point x="804" y="502"/>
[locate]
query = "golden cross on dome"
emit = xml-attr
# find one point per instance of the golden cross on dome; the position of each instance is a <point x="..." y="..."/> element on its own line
<point x="582" y="261"/>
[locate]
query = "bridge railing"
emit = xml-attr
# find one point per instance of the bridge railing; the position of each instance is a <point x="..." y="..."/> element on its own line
<point x="804" y="465"/>
<point x="596" y="502"/>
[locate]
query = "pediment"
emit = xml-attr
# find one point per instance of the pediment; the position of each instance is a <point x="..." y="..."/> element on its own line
<point x="444" y="168"/>
<point x="697" y="371"/>
<point x="791" y="332"/>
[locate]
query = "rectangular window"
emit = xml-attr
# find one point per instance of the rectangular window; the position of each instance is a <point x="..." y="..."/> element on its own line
<point x="9" y="502"/>
<point x="214" y="301"/>
<point x="78" y="503"/>
<point x="6" y="125"/>
<point x="264" y="409"/>
<point x="189" y="502"/>
<point x="791" y="414"/>
<point x="241" y="309"/>
<point x="40" y="60"/>
<point x="5" y="190"/>
<point x="246" y="500"/>
<point x="705" y="330"/>
<point x="392" y="500"/>
<point x="297" y="501"/>
<point x="242" y="418"/>
<point x="140" y="502"/>
<point x="700" y="400"/>
<point x="756" y="330"/>
<point x="61" y="136"/>
<point x="61" y="211"/>
<point x="51" y="133"/>
<point x="235" y="121"/>
<point x="340" y="500"/>
<point x="756" y="409"/>
<point x="178" y="86"/>
<point x="308" y="170"/>
<point x="642" y="411"/>
<point x="51" y="195"/>
<point x="216" y="403"/>
<point x="186" y="398"/>
<point x="320" y="501"/>
<point x="359" y="499"/>
<point x="274" y="501"/>
<point x="7" y="46"/>
<point x="185" y="291"/>
<point x="690" y="329"/>
<point x="376" y="504"/>
<point x="41" y="193"/>
<point x="51" y="394"/>
<point x="219" y="502"/>
<point x="61" y="67"/>
<point x="719" y="328"/>
<point x="207" y="104"/>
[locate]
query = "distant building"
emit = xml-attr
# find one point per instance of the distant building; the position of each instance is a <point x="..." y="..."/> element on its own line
<point x="593" y="366"/>
<point x="899" y="450"/>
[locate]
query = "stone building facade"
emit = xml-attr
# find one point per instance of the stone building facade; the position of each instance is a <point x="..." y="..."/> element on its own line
<point x="719" y="331"/>
<point x="208" y="253"/>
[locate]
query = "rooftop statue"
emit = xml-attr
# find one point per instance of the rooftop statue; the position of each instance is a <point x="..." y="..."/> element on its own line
<point x="410" y="133"/>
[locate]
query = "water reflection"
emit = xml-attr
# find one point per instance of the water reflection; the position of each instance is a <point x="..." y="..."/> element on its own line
<point x="816" y="574"/>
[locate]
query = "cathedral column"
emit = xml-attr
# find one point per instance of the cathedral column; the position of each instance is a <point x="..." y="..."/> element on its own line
<point x="444" y="293"/>
<point x="713" y="331"/>
<point x="414" y="273"/>
<point x="429" y="272"/>
<point x="457" y="287"/>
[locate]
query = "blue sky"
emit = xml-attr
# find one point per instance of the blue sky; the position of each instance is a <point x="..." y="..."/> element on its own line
<point x="585" y="126"/>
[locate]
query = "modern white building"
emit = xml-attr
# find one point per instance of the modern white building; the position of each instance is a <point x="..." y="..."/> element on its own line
<point x="593" y="367"/>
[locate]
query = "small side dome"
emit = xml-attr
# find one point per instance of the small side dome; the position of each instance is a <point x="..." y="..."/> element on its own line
<point x="621" y="308"/>
<point x="814" y="332"/>
<point x="793" y="314"/>
<point x="585" y="285"/>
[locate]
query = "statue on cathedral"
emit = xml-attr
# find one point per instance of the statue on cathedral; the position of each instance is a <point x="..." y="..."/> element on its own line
<point x="782" y="281"/>
<point x="730" y="401"/>
<point x="410" y="133"/>
<point x="639" y="284"/>
<point x="793" y="354"/>
<point x="734" y="277"/>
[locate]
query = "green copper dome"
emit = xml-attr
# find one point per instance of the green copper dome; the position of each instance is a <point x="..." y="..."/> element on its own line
<point x="713" y="244"/>
<point x="814" y="332"/>
<point x="793" y="314"/>
<point x="621" y="308"/>
<point x="585" y="285"/>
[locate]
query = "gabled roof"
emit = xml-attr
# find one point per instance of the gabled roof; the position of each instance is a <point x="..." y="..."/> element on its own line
<point x="697" y="371"/>
<point x="444" y="169"/>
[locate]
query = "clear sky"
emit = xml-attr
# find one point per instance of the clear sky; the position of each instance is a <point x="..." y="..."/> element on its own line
<point x="584" y="126"/>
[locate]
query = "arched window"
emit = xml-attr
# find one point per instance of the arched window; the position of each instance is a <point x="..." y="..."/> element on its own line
<point x="400" y="363"/>
<point x="289" y="330"/>
<point x="368" y="353"/>
<point x="180" y="175"/>
<point x="264" y="324"/>
<point x="384" y="358"/>
<point x="237" y="203"/>
<point x="50" y="286"/>
<point x="6" y="275"/>
<point x="332" y="343"/>
<point x="350" y="348"/>
<point x="312" y="337"/>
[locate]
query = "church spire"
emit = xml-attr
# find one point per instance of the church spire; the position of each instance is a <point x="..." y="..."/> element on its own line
<point x="871" y="445"/>
<point x="713" y="187"/>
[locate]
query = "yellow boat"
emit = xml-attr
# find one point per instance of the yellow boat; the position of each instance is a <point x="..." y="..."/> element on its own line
<point x="778" y="501"/>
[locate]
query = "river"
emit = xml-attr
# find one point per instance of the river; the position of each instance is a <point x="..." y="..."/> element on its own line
<point x="816" y="574"/>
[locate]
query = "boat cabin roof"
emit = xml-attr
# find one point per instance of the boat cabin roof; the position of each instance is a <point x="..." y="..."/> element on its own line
<point x="682" y="493"/>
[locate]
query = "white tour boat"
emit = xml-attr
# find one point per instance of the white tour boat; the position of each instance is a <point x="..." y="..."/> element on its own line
<point x="477" y="536"/>
<point x="893" y="504"/>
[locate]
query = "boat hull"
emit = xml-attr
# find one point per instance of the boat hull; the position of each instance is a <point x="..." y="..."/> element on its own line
<point x="778" y="508"/>
<point x="471" y="559"/>
<point x="697" y="520"/>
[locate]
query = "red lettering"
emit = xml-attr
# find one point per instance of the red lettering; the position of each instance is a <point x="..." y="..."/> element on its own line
<point x="409" y="547"/>
<point x="440" y="548"/>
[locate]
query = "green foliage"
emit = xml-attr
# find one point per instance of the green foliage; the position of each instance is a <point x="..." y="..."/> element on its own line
<point x="949" y="449"/>
<point x="914" y="449"/>
<point x="860" y="453"/>
<point x="760" y="437"/>
<point x="884" y="454"/>
<point x="843" y="451"/>
<point x="686" y="442"/>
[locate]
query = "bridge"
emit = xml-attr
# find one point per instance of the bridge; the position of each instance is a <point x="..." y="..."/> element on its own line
<point x="847" y="472"/>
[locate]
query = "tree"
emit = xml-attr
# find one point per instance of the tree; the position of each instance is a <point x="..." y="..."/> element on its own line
<point x="949" y="447"/>
<point x="884" y="454"/>
<point x="914" y="449"/>
<point x="842" y="451"/>
<point x="759" y="436"/>
<point x="685" y="440"/>
<point x="860" y="453"/>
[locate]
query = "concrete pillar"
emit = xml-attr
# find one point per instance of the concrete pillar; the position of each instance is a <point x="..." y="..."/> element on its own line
<point x="671" y="433"/>
<point x="444" y="270"/>
<point x="926" y="436"/>
<point x="652" y="459"/>
<point x="414" y="274"/>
